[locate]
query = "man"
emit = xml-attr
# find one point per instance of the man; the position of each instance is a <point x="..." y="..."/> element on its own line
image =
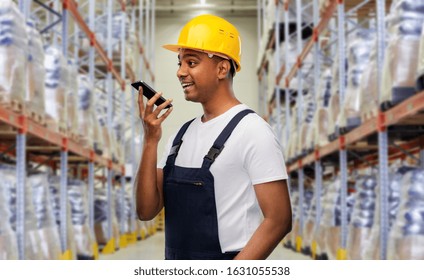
<point x="222" y="179"/>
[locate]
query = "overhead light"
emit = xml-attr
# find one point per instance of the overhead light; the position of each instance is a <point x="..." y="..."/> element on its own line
<point x="202" y="2"/>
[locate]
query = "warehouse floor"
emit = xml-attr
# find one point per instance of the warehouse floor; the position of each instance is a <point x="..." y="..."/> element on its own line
<point x="152" y="248"/>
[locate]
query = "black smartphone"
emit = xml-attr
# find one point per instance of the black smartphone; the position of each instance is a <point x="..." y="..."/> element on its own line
<point x="149" y="92"/>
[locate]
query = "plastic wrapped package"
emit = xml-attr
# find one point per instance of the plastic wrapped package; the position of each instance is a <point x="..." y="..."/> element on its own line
<point x="13" y="54"/>
<point x="308" y="203"/>
<point x="72" y="99"/>
<point x="54" y="188"/>
<point x="123" y="210"/>
<point x="132" y="54"/>
<point x="35" y="88"/>
<point x="395" y="181"/>
<point x="331" y="218"/>
<point x="420" y="68"/>
<point x="405" y="24"/>
<point x="368" y="89"/>
<point x="100" y="109"/>
<point x="363" y="216"/>
<point x="100" y="219"/>
<point x="84" y="237"/>
<point x="304" y="145"/>
<point x="85" y="110"/>
<point x="46" y="223"/>
<point x="318" y="235"/>
<point x="292" y="145"/>
<point x="359" y="52"/>
<point x="98" y="142"/>
<point x="321" y="123"/>
<point x="334" y="103"/>
<point x="32" y="242"/>
<point x="333" y="113"/>
<point x="56" y="87"/>
<point x="8" y="241"/>
<point x="406" y="241"/>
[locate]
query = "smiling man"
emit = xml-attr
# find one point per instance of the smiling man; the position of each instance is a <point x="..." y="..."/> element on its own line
<point x="222" y="178"/>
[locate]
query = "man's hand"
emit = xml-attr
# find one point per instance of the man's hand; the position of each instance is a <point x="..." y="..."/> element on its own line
<point x="151" y="120"/>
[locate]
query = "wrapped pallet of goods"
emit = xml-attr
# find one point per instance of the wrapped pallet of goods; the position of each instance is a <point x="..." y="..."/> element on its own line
<point x="420" y="68"/>
<point x="363" y="217"/>
<point x="54" y="188"/>
<point x="359" y="49"/>
<point x="72" y="101"/>
<point x="8" y="240"/>
<point x="123" y="210"/>
<point x="56" y="88"/>
<point x="100" y="109"/>
<point x="308" y="204"/>
<point x="84" y="237"/>
<point x="331" y="218"/>
<point x="398" y="170"/>
<point x="35" y="87"/>
<point x="405" y="23"/>
<point x="368" y="88"/>
<point x="85" y="111"/>
<point x="32" y="248"/>
<point x="318" y="235"/>
<point x="46" y="223"/>
<point x="320" y="120"/>
<point x="406" y="241"/>
<point x="13" y="56"/>
<point x="334" y="102"/>
<point x="101" y="207"/>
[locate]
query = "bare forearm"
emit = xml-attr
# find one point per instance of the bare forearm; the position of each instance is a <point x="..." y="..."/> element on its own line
<point x="148" y="197"/>
<point x="264" y="240"/>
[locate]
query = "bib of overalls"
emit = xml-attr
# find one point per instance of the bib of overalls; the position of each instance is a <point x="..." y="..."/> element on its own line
<point x="191" y="223"/>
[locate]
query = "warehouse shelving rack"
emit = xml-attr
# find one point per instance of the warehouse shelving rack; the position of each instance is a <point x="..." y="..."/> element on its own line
<point x="406" y="113"/>
<point x="25" y="135"/>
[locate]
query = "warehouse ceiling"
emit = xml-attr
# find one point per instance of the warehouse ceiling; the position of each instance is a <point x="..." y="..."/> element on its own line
<point x="183" y="8"/>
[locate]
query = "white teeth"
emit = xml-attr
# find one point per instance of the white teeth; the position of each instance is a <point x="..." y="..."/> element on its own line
<point x="184" y="85"/>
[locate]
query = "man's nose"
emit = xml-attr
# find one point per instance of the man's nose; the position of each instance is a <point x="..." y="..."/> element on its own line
<point x="181" y="72"/>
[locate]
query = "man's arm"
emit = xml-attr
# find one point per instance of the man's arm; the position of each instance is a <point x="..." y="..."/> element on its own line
<point x="274" y="200"/>
<point x="149" y="179"/>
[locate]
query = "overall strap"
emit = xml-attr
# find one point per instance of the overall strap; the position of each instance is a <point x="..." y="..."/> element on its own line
<point x="176" y="144"/>
<point x="218" y="145"/>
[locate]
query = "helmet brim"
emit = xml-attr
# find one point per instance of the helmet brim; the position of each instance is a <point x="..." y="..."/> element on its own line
<point x="176" y="48"/>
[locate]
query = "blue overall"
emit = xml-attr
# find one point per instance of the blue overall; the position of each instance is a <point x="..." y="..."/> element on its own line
<point x="191" y="223"/>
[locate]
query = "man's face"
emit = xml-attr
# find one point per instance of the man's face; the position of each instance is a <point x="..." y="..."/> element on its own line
<point x="197" y="74"/>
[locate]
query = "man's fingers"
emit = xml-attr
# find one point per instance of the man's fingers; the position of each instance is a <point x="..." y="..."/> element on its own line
<point x="140" y="102"/>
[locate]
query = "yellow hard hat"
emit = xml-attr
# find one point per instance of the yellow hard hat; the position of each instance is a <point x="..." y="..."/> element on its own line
<point x="211" y="34"/>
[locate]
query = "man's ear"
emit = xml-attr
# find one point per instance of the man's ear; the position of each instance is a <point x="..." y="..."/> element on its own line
<point x="224" y="67"/>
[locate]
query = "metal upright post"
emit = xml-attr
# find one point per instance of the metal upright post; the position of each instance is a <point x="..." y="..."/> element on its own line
<point x="318" y="166"/>
<point x="110" y="107"/>
<point x="287" y="69"/>
<point x="64" y="156"/>
<point x="299" y="121"/>
<point x="109" y="197"/>
<point x="91" y="69"/>
<point x="152" y="39"/>
<point x="383" y="164"/>
<point x="20" y="191"/>
<point x="277" y="69"/>
<point x="341" y="254"/>
<point x="123" y="103"/>
<point x="147" y="34"/>
<point x="91" y="195"/>
<point x="21" y="172"/>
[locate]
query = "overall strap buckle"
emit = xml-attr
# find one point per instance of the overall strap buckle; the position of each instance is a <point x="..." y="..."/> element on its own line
<point x="214" y="153"/>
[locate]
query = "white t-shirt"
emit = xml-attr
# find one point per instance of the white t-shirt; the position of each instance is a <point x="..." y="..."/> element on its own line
<point x="252" y="155"/>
